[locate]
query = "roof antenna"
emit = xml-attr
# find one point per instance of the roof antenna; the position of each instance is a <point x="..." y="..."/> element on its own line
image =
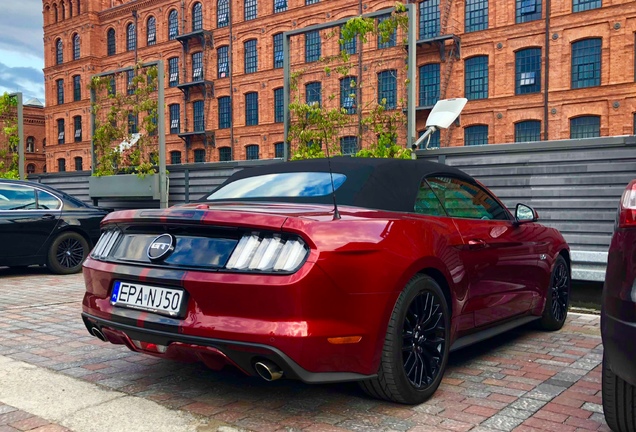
<point x="336" y="213"/>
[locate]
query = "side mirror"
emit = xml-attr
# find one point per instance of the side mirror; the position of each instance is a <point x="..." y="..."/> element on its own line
<point x="524" y="213"/>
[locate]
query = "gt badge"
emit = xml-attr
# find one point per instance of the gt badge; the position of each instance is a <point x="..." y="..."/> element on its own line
<point x="161" y="247"/>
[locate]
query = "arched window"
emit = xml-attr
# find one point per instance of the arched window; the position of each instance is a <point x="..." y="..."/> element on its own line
<point x="63" y="11"/>
<point x="528" y="71"/>
<point x="110" y="42"/>
<point x="78" y="163"/>
<point x="588" y="126"/>
<point x="199" y="155"/>
<point x="222" y="13"/>
<point x="173" y="25"/>
<point x="251" y="152"/>
<point x="528" y="130"/>
<point x="78" y="7"/>
<point x="30" y="145"/>
<point x="70" y="9"/>
<point x="151" y="31"/>
<point x="61" y="165"/>
<point x="197" y="17"/>
<point x="131" y="37"/>
<point x="59" y="52"/>
<point x="175" y="157"/>
<point x="76" y="47"/>
<point x="57" y="17"/>
<point x="30" y="169"/>
<point x="476" y="135"/>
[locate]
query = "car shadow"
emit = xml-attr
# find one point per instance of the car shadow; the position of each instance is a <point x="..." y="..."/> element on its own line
<point x="24" y="270"/>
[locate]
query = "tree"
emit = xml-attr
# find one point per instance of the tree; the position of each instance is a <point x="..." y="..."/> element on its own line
<point x="9" y="157"/>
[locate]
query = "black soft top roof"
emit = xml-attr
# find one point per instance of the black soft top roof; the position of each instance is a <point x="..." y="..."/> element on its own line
<point x="376" y="183"/>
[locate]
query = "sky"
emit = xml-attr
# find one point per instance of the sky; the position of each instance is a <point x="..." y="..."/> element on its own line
<point x="21" y="48"/>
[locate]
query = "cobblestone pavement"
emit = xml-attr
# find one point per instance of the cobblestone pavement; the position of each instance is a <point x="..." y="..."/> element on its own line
<point x="523" y="380"/>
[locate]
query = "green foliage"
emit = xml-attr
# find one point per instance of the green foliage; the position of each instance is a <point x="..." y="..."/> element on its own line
<point x="112" y="126"/>
<point x="9" y="157"/>
<point x="314" y="124"/>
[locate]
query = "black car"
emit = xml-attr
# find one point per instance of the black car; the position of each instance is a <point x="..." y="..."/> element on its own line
<point x="42" y="225"/>
<point x="618" y="320"/>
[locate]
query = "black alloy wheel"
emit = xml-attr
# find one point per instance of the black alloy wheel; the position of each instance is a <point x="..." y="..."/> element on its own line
<point x="416" y="346"/>
<point x="557" y="299"/>
<point x="67" y="253"/>
<point x="423" y="340"/>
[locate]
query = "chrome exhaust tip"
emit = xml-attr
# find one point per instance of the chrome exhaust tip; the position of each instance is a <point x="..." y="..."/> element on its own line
<point x="268" y="370"/>
<point x="98" y="334"/>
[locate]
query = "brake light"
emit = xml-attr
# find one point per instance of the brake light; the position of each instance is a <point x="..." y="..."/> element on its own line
<point x="627" y="209"/>
<point x="268" y="253"/>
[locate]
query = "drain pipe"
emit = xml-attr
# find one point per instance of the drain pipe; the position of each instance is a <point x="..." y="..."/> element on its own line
<point x="547" y="71"/>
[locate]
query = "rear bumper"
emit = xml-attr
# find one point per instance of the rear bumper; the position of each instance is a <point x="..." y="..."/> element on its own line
<point x="618" y="344"/>
<point x="215" y="353"/>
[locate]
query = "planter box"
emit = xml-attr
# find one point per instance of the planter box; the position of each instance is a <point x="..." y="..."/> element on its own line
<point x="124" y="186"/>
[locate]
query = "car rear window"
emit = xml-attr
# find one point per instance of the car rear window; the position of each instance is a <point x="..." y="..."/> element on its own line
<point x="282" y="185"/>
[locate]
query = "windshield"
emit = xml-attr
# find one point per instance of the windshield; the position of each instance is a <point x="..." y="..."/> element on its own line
<point x="283" y="185"/>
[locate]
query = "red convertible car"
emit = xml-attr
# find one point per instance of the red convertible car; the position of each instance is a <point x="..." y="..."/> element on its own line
<point x="352" y="269"/>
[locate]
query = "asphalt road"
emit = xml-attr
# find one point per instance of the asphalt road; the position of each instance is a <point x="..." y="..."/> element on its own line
<point x="55" y="377"/>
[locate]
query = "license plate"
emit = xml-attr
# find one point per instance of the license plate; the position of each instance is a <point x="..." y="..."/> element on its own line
<point x="165" y="301"/>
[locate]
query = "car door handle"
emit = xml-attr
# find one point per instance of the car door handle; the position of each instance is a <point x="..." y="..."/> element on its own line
<point x="474" y="244"/>
<point x="48" y="217"/>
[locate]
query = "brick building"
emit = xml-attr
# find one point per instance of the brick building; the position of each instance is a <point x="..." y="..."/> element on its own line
<point x="34" y="137"/>
<point x="527" y="76"/>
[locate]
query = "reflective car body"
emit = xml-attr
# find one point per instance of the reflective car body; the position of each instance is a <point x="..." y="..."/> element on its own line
<point x="320" y="313"/>
<point x="34" y="218"/>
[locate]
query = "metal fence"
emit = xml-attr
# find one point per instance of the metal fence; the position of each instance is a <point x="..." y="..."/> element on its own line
<point x="574" y="184"/>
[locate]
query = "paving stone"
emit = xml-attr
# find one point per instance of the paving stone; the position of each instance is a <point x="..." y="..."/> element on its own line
<point x="501" y="422"/>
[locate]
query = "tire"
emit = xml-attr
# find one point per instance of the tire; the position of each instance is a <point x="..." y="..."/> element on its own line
<point x="412" y="364"/>
<point x="619" y="401"/>
<point x="557" y="299"/>
<point x="67" y="253"/>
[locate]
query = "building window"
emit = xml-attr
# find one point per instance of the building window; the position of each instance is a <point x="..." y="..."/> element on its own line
<point x="348" y="89"/>
<point x="175" y="157"/>
<point x="313" y="93"/>
<point x="585" y="127"/>
<point x="251" y="56"/>
<point x="278" y="51"/>
<point x="251" y="152"/>
<point x="78" y="164"/>
<point x="173" y="71"/>
<point x="312" y="46"/>
<point x="111" y="45"/>
<point x="586" y="63"/>
<point x="199" y="156"/>
<point x="529" y="130"/>
<point x="476" y="78"/>
<point x="225" y="154"/>
<point x="251" y="109"/>
<point x="223" y="13"/>
<point x="310" y="2"/>
<point x="199" y="116"/>
<point x="528" y="71"/>
<point x="279" y="106"/>
<point x="59" y="52"/>
<point x="151" y="31"/>
<point x="60" y="91"/>
<point x="476" y="135"/>
<point x="280" y="5"/>
<point x="133" y="123"/>
<point x="251" y="9"/>
<point x="349" y="145"/>
<point x="130" y="82"/>
<point x="131" y="37"/>
<point x="61" y="165"/>
<point x="30" y="144"/>
<point x="197" y="66"/>
<point x="60" y="131"/>
<point x="429" y="19"/>
<point x="476" y="15"/>
<point x="350" y="46"/>
<point x="429" y="84"/>
<point x="76" y="47"/>
<point x="197" y="17"/>
<point x="434" y="140"/>
<point x="175" y="118"/>
<point x="528" y="10"/>
<point x="387" y="89"/>
<point x="173" y="25"/>
<point x="112" y="86"/>
<point x="77" y="126"/>
<point x="383" y="40"/>
<point x="30" y="169"/>
<point x="77" y="88"/>
<point x="279" y="150"/>
<point x="222" y="62"/>
<point x="225" y="112"/>
<point x="583" y="5"/>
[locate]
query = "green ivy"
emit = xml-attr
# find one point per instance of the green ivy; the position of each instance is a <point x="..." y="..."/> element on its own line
<point x="9" y="156"/>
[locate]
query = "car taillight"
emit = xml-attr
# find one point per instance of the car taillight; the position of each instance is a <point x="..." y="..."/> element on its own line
<point x="627" y="209"/>
<point x="105" y="244"/>
<point x="268" y="253"/>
